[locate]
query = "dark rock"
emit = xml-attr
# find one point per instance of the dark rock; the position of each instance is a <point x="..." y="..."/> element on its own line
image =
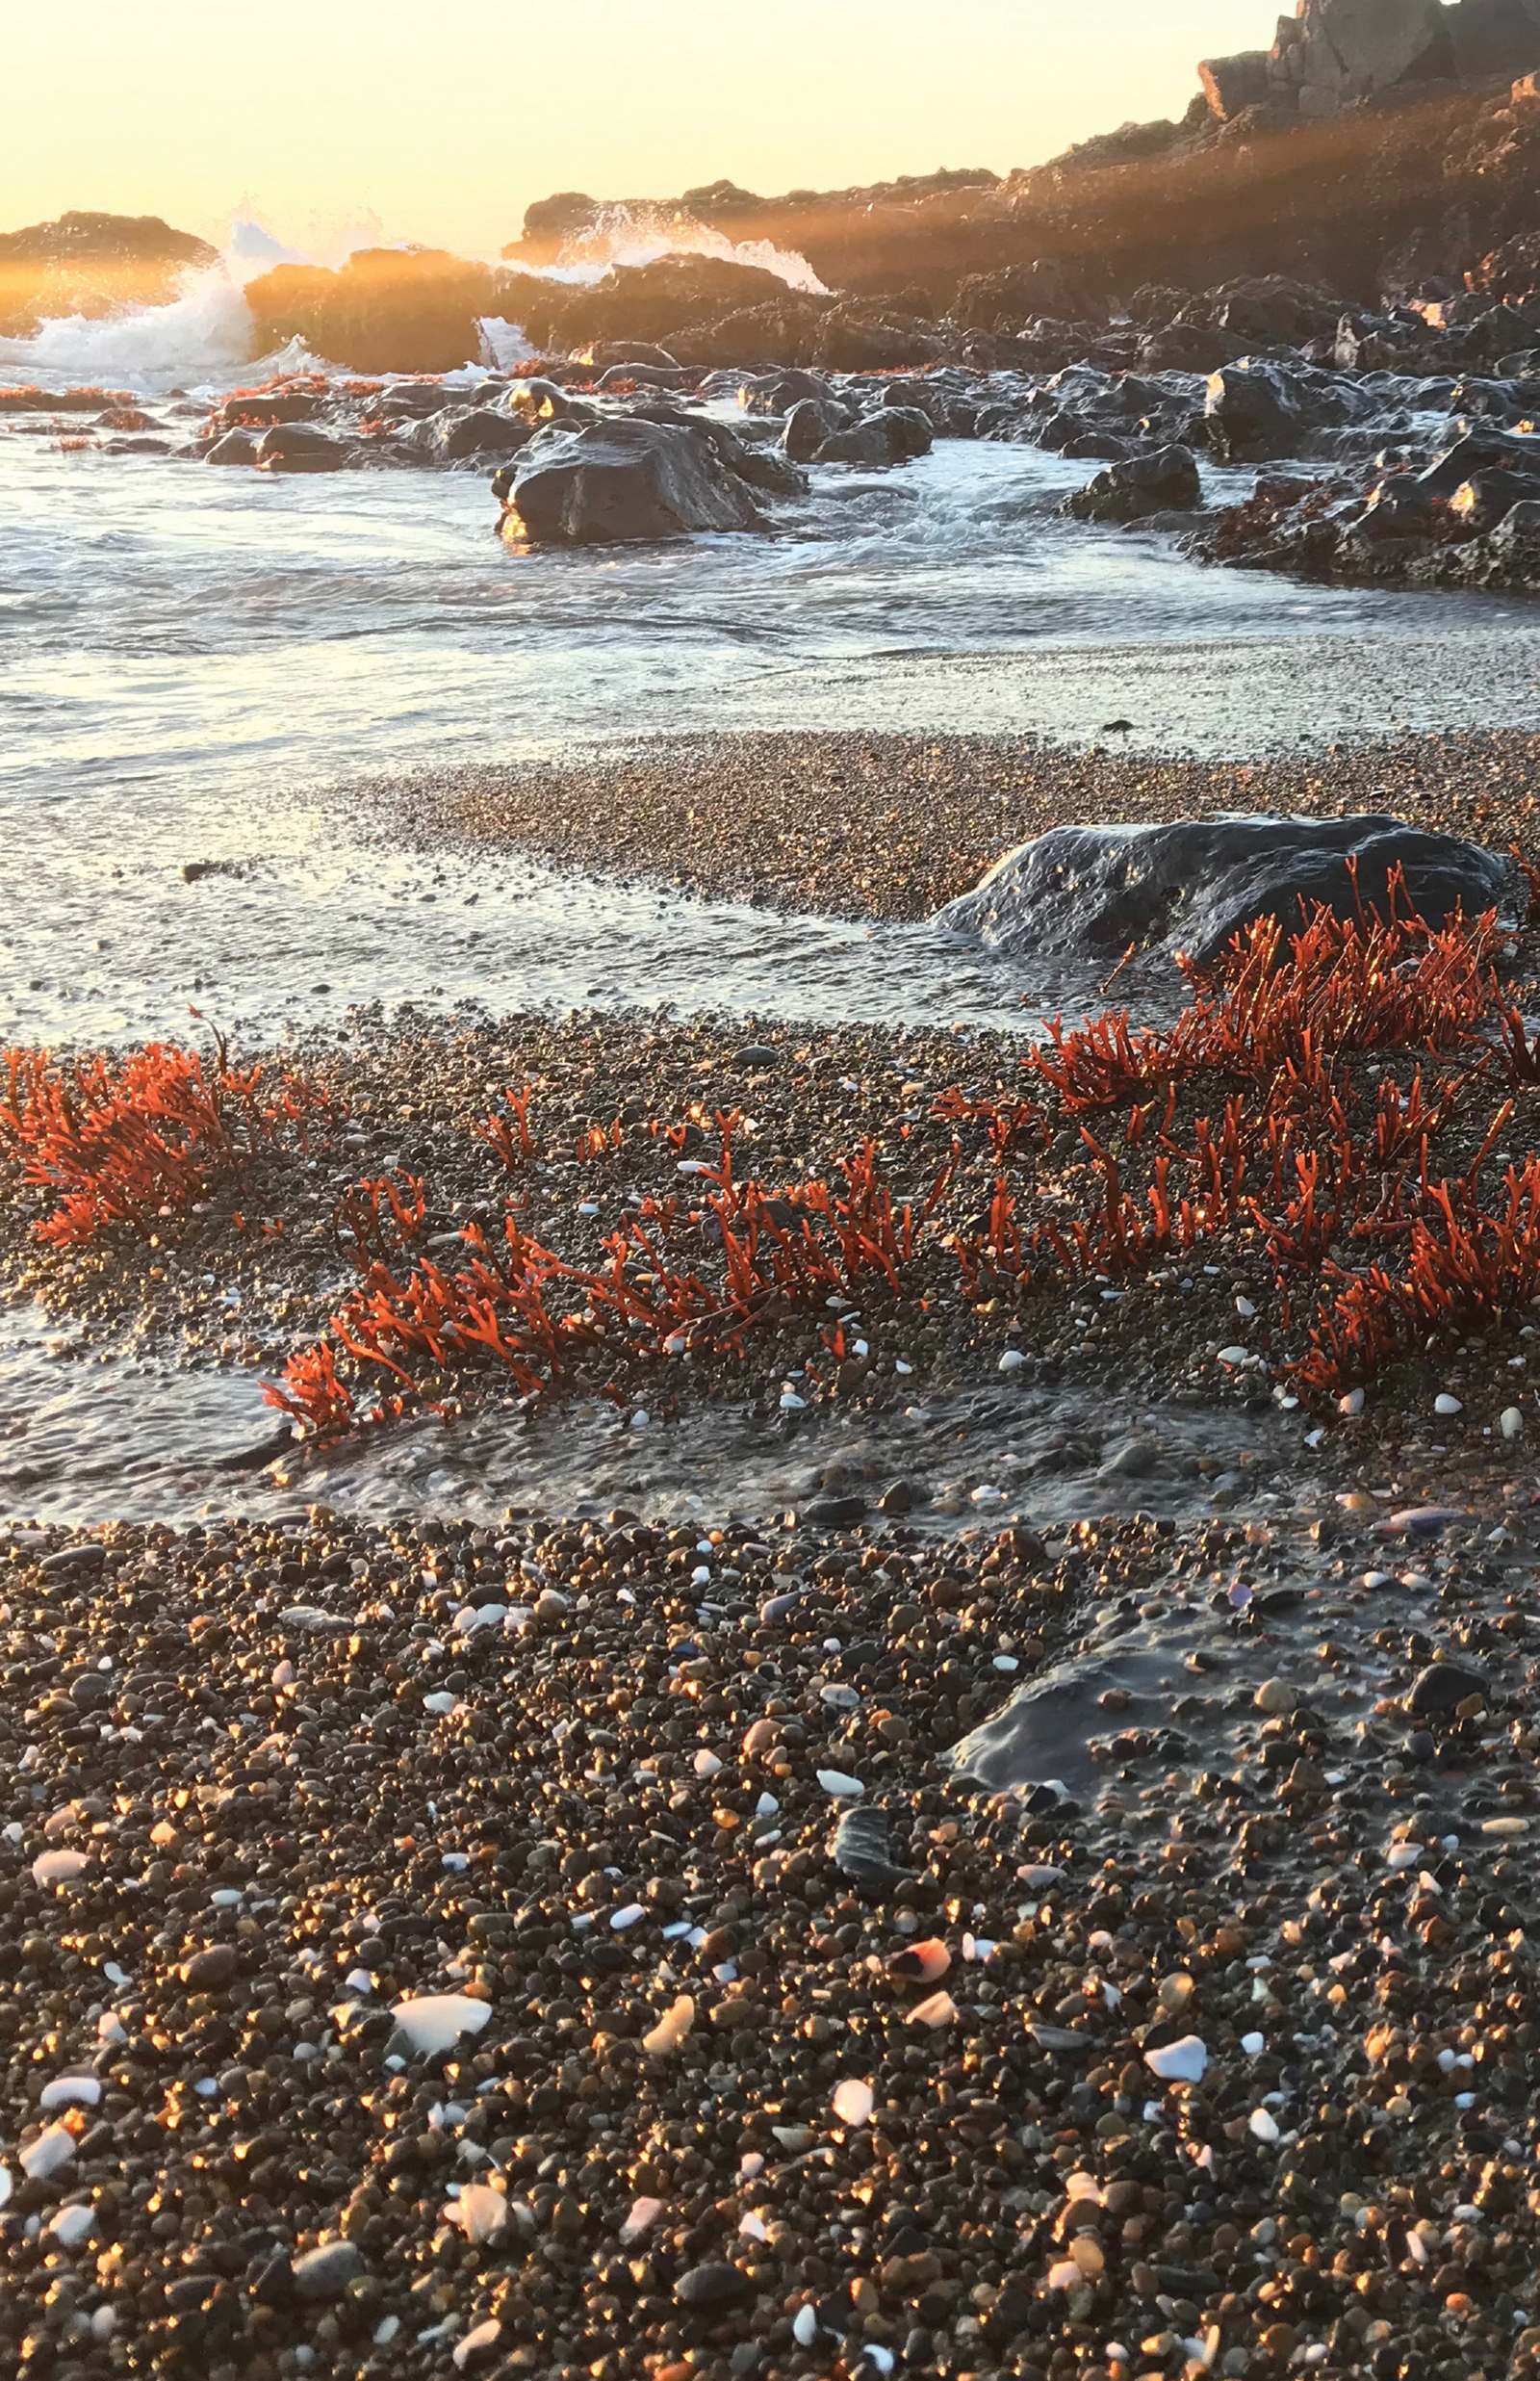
<point x="1234" y="82"/>
<point x="1441" y="1687"/>
<point x="1010" y="299"/>
<point x="893" y="434"/>
<point x="1487" y="497"/>
<point x="902" y="1497"/>
<point x="1165" y="481"/>
<point x="207" y="1971"/>
<point x="73" y="1562"/>
<point x="1513" y="549"/>
<point x="483" y="431"/>
<point x="1090" y="892"/>
<point x="756" y="1058"/>
<point x="299" y="446"/>
<point x="325" y="2272"/>
<point x="643" y="377"/>
<point x="1250" y="416"/>
<point x="91" y="1690"/>
<point x="712" y="2286"/>
<point x="1094" y="447"/>
<point x="235" y="446"/>
<point x="623" y="480"/>
<point x="835" y="1513"/>
<point x="811" y="421"/>
<point x="1480" y="450"/>
<point x="859" y="1851"/>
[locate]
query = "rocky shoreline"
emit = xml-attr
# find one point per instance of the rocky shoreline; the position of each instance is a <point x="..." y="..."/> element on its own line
<point x="888" y="1931"/>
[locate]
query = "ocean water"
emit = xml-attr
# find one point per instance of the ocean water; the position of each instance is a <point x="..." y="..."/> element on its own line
<point x="192" y="662"/>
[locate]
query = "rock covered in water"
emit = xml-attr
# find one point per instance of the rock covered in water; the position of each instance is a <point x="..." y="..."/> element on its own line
<point x="622" y="481"/>
<point x="1088" y="892"/>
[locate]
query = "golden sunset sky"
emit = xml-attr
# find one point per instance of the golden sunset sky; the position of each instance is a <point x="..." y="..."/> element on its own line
<point x="445" y="121"/>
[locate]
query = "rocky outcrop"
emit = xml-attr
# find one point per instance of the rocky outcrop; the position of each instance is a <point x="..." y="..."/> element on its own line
<point x="654" y="301"/>
<point x="1331" y="54"/>
<point x="1465" y="516"/>
<point x="1089" y="892"/>
<point x="385" y="310"/>
<point x="89" y="264"/>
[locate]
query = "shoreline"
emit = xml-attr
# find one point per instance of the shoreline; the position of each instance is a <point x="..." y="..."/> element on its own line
<point x="893" y="826"/>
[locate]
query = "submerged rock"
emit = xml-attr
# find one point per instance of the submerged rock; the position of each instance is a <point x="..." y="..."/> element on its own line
<point x="1080" y="893"/>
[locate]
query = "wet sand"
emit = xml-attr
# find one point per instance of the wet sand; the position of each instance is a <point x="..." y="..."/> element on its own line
<point x="893" y="826"/>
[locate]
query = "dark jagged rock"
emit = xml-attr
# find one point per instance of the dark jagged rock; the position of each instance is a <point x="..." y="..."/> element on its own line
<point x="300" y="446"/>
<point x="1250" y="416"/>
<point x="1088" y="892"/>
<point x="811" y="421"/>
<point x="1165" y="481"/>
<point x="892" y="435"/>
<point x="622" y="480"/>
<point x="89" y="264"/>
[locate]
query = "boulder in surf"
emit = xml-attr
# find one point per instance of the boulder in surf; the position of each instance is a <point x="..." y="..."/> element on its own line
<point x="621" y="481"/>
<point x="1080" y="894"/>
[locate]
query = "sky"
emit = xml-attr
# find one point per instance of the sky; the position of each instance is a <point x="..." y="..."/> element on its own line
<point x="442" y="123"/>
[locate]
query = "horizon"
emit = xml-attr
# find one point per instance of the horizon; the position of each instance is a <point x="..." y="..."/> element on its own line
<point x="287" y="133"/>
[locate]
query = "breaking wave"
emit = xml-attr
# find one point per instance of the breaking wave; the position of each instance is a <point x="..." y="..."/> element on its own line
<point x="202" y="340"/>
<point x="636" y="235"/>
<point x="202" y="337"/>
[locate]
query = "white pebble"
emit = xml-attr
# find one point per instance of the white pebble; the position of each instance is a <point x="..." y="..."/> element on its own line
<point x="644" y="2215"/>
<point x="1352" y="1403"/>
<point x="71" y="2091"/>
<point x="630" y="1916"/>
<point x="707" y="1763"/>
<point x="73" y="2225"/>
<point x="479" y="2212"/>
<point x="50" y="2153"/>
<point x="1445" y="1404"/>
<point x="791" y="1403"/>
<point x="58" y="1867"/>
<point x="1231" y="1355"/>
<point x="852" y="2102"/>
<point x="433" y="2022"/>
<point x="1253" y="2044"/>
<point x="671" y="2029"/>
<point x="1263" y="2125"/>
<point x="1184" y="2061"/>
<point x="837" y="1782"/>
<point x="485" y="2336"/>
<point x="804" y="2327"/>
<point x="1511" y="1422"/>
<point x="1013" y="1360"/>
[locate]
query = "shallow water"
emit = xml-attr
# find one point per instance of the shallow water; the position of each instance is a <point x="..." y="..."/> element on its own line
<point x="91" y="1435"/>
